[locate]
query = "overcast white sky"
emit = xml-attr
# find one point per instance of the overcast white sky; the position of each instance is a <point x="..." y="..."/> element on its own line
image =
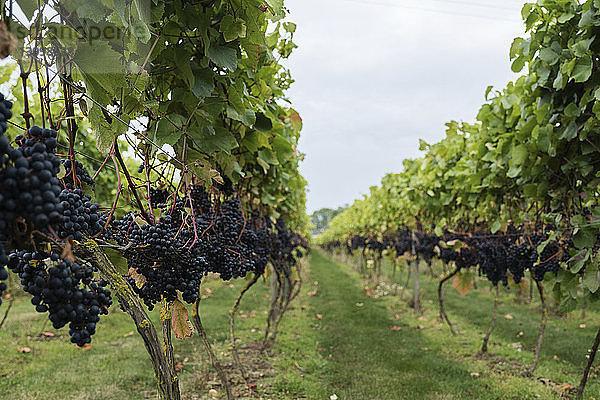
<point x="374" y="76"/>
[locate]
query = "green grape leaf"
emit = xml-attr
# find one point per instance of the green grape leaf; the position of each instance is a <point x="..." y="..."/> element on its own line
<point x="106" y="128"/>
<point x="263" y="123"/>
<point x="232" y="28"/>
<point x="585" y="237"/>
<point x="182" y="60"/>
<point x="168" y="131"/>
<point x="94" y="10"/>
<point x="220" y="139"/>
<point x="567" y="304"/>
<point x="564" y="17"/>
<point x="520" y="154"/>
<point x="583" y="69"/>
<point x="549" y="55"/>
<point x="204" y="83"/>
<point x="570" y="132"/>
<point x="101" y="68"/>
<point x="141" y="31"/>
<point x="495" y="227"/>
<point x="223" y="57"/>
<point x="591" y="277"/>
<point x="586" y="19"/>
<point x="29" y="7"/>
<point x="249" y="118"/>
<point x="515" y="47"/>
<point x="572" y="110"/>
<point x="518" y="64"/>
<point x="144" y="10"/>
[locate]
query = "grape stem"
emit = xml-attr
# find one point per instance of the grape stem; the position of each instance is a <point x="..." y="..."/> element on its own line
<point x="131" y="184"/>
<point x="236" y="304"/>
<point x="207" y="346"/>
<point x="538" y="348"/>
<point x="168" y="384"/>
<point x="193" y="220"/>
<point x="10" y="302"/>
<point x="588" y="367"/>
<point x="484" y="346"/>
<point x="443" y="315"/>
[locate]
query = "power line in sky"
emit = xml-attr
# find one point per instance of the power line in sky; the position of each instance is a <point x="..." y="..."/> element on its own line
<point x="476" y="4"/>
<point x="434" y="10"/>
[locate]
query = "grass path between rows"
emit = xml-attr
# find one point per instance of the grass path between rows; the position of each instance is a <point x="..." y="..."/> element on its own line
<point x="369" y="360"/>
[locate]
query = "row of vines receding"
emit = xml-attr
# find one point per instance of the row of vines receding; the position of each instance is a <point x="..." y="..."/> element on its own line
<point x="514" y="194"/>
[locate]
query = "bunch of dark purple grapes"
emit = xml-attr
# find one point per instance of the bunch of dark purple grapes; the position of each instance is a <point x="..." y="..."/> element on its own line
<point x="65" y="289"/>
<point x="194" y="236"/>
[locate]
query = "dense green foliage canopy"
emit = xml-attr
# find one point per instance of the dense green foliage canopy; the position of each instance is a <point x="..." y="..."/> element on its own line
<point x="202" y="77"/>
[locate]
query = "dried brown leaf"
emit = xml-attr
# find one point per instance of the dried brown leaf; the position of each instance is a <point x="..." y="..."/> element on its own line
<point x="139" y="279"/>
<point x="180" y="320"/>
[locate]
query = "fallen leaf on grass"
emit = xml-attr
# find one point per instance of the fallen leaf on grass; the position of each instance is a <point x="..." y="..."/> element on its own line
<point x="369" y="293"/>
<point x="396" y="316"/>
<point x="420" y="326"/>
<point x="508" y="316"/>
<point x="312" y="293"/>
<point x="582" y="326"/>
<point x="47" y="335"/>
<point x="319" y="316"/>
<point x="555" y="357"/>
<point x="252" y="386"/>
<point x="517" y="346"/>
<point x="475" y="374"/>
<point x="23" y="349"/>
<point x="389" y="307"/>
<point x="178" y="366"/>
<point x="213" y="393"/>
<point x="244" y="316"/>
<point x="130" y="333"/>
<point x="566" y="387"/>
<point x="396" y="328"/>
<point x="86" y="347"/>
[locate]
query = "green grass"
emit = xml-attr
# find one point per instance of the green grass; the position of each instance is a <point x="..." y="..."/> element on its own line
<point x="117" y="366"/>
<point x="351" y="351"/>
<point x="374" y="362"/>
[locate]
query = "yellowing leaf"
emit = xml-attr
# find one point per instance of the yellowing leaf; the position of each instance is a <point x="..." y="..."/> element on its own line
<point x="463" y="282"/>
<point x="180" y="320"/>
